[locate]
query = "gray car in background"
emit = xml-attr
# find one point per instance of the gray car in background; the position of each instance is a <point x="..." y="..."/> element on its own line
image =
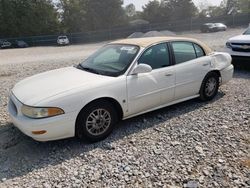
<point x="213" y="27"/>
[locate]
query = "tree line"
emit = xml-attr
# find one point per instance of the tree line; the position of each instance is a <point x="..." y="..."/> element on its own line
<point x="44" y="17"/>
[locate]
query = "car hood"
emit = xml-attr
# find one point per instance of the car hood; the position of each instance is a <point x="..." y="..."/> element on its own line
<point x="35" y="89"/>
<point x="240" y="39"/>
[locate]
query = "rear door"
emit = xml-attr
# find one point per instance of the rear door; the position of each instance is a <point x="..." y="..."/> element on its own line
<point x="191" y="66"/>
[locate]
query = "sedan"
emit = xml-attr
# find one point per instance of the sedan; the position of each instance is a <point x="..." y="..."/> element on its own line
<point x="4" y="44"/>
<point x="121" y="80"/>
<point x="62" y="40"/>
<point x="21" y="44"/>
<point x="220" y="27"/>
<point x="213" y="27"/>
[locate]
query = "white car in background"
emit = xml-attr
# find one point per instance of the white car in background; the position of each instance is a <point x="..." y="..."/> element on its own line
<point x="123" y="79"/>
<point x="62" y="40"/>
<point x="239" y="46"/>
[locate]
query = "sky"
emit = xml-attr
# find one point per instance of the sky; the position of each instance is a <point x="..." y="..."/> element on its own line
<point x="139" y="3"/>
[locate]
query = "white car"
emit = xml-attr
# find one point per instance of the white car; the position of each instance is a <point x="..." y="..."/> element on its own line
<point x="62" y="40"/>
<point x="121" y="80"/>
<point x="239" y="46"/>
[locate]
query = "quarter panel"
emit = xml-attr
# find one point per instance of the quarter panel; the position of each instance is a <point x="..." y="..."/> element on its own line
<point x="189" y="76"/>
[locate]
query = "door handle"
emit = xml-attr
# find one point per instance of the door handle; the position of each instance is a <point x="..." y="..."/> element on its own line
<point x="169" y="74"/>
<point x="205" y="64"/>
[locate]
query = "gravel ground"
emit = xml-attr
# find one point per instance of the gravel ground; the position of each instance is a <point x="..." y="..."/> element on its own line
<point x="186" y="145"/>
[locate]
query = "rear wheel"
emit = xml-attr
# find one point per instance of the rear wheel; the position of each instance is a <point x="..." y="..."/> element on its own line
<point x="209" y="87"/>
<point x="96" y="121"/>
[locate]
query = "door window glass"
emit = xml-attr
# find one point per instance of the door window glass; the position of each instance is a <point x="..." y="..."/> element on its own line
<point x="199" y="51"/>
<point x="156" y="56"/>
<point x="183" y="51"/>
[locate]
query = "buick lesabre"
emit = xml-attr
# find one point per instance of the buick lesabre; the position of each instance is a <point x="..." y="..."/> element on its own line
<point x="123" y="79"/>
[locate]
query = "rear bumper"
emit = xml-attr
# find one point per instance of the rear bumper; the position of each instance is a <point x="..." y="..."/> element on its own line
<point x="63" y="42"/>
<point x="58" y="127"/>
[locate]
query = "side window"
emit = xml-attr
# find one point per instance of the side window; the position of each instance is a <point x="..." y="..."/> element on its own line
<point x="156" y="56"/>
<point x="199" y="51"/>
<point x="183" y="51"/>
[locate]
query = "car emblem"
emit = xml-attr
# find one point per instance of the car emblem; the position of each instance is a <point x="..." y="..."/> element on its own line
<point x="245" y="47"/>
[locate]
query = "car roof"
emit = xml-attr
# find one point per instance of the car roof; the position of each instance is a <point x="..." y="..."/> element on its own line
<point x="146" y="42"/>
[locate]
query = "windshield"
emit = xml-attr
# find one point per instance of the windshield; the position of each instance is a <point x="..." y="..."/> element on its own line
<point x="111" y="60"/>
<point x="247" y="32"/>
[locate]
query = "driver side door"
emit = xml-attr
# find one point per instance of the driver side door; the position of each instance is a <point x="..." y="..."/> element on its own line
<point x="147" y="91"/>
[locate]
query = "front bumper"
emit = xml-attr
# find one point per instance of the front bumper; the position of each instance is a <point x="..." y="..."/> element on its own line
<point x="236" y="53"/>
<point x="58" y="127"/>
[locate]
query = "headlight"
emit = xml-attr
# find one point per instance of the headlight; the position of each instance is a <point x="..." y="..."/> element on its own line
<point x="228" y="44"/>
<point x="37" y="113"/>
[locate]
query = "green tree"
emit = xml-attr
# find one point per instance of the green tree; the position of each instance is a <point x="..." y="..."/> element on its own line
<point x="130" y="10"/>
<point x="244" y="6"/>
<point x="27" y="17"/>
<point x="232" y="6"/>
<point x="105" y="14"/>
<point x="212" y="11"/>
<point x="154" y="11"/>
<point x="73" y="15"/>
<point x="165" y="10"/>
<point x="181" y="9"/>
<point x="85" y="15"/>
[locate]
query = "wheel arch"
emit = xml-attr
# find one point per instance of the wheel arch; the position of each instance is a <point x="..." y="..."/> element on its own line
<point x="212" y="71"/>
<point x="113" y="101"/>
<point x="215" y="71"/>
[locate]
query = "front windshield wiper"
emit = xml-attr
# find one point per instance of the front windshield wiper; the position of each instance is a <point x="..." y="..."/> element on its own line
<point x="87" y="69"/>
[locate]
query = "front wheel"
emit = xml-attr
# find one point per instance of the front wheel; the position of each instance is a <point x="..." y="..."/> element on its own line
<point x="96" y="121"/>
<point x="209" y="87"/>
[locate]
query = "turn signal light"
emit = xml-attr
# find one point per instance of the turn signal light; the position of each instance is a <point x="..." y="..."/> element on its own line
<point x="39" y="132"/>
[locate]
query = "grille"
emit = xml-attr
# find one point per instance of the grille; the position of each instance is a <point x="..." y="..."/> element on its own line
<point x="241" y="47"/>
<point x="240" y="44"/>
<point x="241" y="50"/>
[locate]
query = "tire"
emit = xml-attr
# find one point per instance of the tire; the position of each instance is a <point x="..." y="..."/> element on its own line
<point x="101" y="117"/>
<point x="209" y="87"/>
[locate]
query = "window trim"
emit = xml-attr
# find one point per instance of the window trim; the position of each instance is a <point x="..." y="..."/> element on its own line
<point x="200" y="48"/>
<point x="172" y="51"/>
<point x="171" y="63"/>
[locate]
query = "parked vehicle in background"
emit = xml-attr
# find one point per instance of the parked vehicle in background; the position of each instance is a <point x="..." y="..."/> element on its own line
<point x="213" y="27"/>
<point x="220" y="27"/>
<point x="121" y="80"/>
<point x="207" y="27"/>
<point x="5" y="44"/>
<point x="20" y="44"/>
<point x="239" y="45"/>
<point x="62" y="40"/>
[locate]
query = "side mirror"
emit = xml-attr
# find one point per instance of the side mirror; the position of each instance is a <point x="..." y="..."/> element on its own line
<point x="142" y="68"/>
